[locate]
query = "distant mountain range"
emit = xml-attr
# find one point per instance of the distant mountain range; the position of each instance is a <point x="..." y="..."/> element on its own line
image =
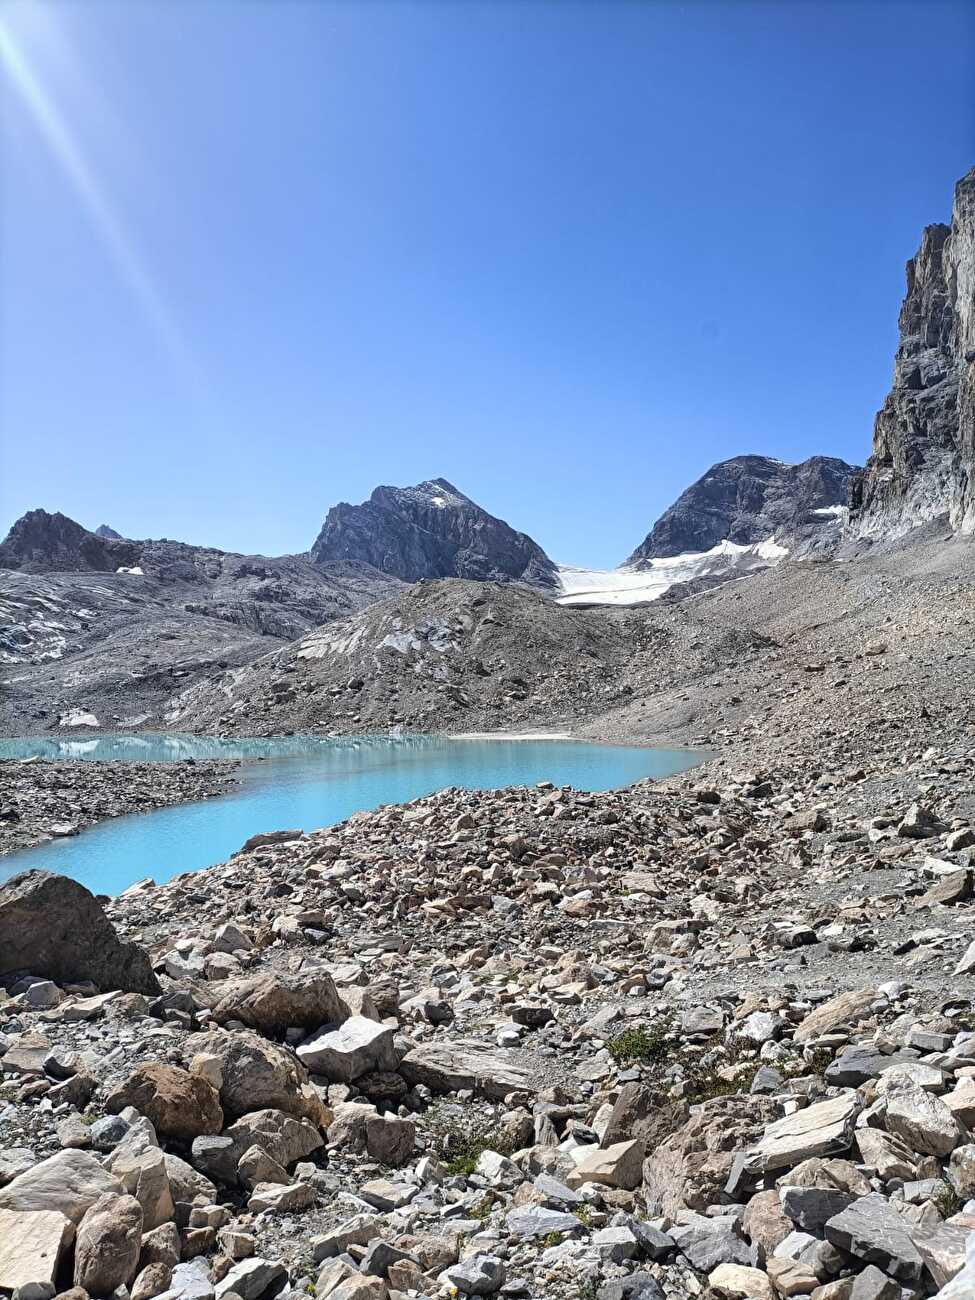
<point x="433" y="530"/>
<point x="93" y="617"/>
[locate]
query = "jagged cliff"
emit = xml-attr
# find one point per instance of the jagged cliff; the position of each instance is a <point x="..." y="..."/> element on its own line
<point x="430" y="530"/>
<point x="923" y="462"/>
<point x="751" y="499"/>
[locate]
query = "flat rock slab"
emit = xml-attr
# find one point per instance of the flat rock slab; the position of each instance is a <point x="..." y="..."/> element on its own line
<point x="30" y="1246"/>
<point x="354" y="1048"/>
<point x="69" y="1181"/>
<point x="845" y="1009"/>
<point x="819" y="1130"/>
<point x="464" y="1064"/>
<point x="943" y="1250"/>
<point x="538" y="1221"/>
<point x="872" y="1230"/>
<point x="859" y="1063"/>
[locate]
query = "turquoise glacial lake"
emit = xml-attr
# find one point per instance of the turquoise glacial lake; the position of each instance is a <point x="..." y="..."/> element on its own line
<point x="302" y="782"/>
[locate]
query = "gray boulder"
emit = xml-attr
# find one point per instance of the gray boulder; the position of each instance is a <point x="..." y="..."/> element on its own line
<point x="53" y="926"/>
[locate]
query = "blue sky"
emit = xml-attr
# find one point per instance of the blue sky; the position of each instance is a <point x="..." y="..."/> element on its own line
<point x="257" y="256"/>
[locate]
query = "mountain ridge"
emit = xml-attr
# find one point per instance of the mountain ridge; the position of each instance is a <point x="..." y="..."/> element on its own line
<point x="431" y="530"/>
<point x="750" y="499"/>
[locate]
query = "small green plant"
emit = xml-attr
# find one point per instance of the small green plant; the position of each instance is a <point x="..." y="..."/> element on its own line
<point x="462" y="1143"/>
<point x="704" y="1084"/>
<point x="947" y="1201"/>
<point x="551" y="1239"/>
<point x="584" y="1214"/>
<point x="639" y="1044"/>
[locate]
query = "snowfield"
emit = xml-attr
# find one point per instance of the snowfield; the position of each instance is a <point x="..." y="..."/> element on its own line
<point x="630" y="586"/>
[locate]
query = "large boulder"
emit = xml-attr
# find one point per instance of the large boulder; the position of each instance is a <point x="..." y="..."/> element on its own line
<point x="31" y="1245"/>
<point x="280" y="1000"/>
<point x="465" y="1064"/>
<point x="107" y="1250"/>
<point x="179" y="1105"/>
<point x="258" y="1075"/>
<point x="69" y="1181"/>
<point x="348" y="1051"/>
<point x="51" y="925"/>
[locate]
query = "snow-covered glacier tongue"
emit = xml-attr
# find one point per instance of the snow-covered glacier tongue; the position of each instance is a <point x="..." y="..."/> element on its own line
<point x="631" y="585"/>
<point x="743" y="514"/>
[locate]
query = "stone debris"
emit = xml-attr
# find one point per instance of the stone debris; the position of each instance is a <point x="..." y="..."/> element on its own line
<point x="518" y="1043"/>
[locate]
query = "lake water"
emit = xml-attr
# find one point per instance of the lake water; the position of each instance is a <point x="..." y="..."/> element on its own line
<point x="303" y="782"/>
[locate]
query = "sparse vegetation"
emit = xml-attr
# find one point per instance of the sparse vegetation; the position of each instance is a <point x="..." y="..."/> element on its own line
<point x="646" y="1046"/>
<point x="461" y="1142"/>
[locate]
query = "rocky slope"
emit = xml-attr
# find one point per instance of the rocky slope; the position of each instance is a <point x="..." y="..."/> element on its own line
<point x="707" y="1038"/>
<point x="430" y="531"/>
<point x="116" y="644"/>
<point x="447" y="656"/>
<point x="752" y="499"/>
<point x="922" y="467"/>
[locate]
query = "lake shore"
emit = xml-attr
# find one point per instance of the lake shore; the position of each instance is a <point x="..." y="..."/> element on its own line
<point x="44" y="800"/>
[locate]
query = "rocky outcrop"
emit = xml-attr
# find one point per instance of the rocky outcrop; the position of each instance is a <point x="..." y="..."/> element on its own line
<point x="430" y="531"/>
<point x="39" y="542"/>
<point x="110" y="534"/>
<point x="51" y="925"/>
<point x="922" y="467"/>
<point x="751" y="499"/>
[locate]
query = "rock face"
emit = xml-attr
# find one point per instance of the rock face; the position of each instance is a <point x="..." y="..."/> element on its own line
<point x="923" y="461"/>
<point x="430" y="531"/>
<point x="750" y="499"/>
<point x="109" y="534"/>
<point x="50" y="925"/>
<point x="40" y="541"/>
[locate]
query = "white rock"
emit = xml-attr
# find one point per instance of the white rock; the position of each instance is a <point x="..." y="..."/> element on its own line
<point x="31" y="1245"/>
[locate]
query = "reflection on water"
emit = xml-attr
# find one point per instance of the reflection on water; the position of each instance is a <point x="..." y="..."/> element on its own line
<point x="303" y="782"/>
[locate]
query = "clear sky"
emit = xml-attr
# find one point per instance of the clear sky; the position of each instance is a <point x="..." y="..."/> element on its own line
<point x="257" y="256"/>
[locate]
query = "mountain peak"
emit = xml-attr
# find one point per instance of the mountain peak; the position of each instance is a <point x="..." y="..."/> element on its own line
<point x="40" y="542"/>
<point x="430" y="530"/>
<point x="750" y="499"/>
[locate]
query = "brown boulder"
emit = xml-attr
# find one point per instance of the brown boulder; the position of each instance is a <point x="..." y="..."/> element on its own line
<point x="107" y="1249"/>
<point x="179" y="1105"/>
<point x="691" y="1167"/>
<point x="847" y="1008"/>
<point x="258" y="1075"/>
<point x="278" y="1000"/>
<point x="53" y="926"/>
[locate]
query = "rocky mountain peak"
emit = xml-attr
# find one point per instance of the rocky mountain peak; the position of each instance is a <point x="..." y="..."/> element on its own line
<point x="922" y="467"/>
<point x="109" y="534"/>
<point x="430" y="530"/>
<point x="751" y="499"/>
<point x="40" y="542"/>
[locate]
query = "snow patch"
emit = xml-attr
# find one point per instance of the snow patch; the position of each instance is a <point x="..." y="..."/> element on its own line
<point x="78" y="718"/>
<point x="135" y="570"/>
<point x="631" y="586"/>
<point x="837" y="512"/>
<point x="402" y="641"/>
